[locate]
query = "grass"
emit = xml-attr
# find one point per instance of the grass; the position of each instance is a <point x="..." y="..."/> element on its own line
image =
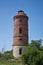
<point x="10" y="62"/>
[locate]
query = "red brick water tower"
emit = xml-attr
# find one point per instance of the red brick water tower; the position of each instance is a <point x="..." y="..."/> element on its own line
<point x="20" y="39"/>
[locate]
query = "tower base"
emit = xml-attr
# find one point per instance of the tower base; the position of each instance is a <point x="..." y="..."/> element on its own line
<point x="17" y="51"/>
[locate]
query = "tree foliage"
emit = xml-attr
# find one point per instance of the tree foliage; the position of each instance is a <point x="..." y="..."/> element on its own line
<point x="33" y="54"/>
<point x="7" y="55"/>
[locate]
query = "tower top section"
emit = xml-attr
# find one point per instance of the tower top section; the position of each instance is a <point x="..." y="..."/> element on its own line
<point x="20" y="14"/>
<point x="20" y="11"/>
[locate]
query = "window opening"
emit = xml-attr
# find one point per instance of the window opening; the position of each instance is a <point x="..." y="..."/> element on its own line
<point x="20" y="30"/>
<point x="20" y="39"/>
<point x="20" y="20"/>
<point x="20" y="51"/>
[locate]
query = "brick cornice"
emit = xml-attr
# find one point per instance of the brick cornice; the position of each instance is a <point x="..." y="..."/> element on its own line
<point x="20" y="16"/>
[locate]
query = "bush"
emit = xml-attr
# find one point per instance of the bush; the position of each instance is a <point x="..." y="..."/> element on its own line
<point x="32" y="55"/>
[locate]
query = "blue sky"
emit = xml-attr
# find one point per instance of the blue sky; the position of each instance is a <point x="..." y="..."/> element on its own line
<point x="9" y="8"/>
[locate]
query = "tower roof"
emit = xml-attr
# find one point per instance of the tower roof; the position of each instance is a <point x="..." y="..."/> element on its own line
<point x="21" y="13"/>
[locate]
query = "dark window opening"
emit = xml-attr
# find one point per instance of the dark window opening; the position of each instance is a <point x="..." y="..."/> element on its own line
<point x="20" y="51"/>
<point x="20" y="30"/>
<point x="20" y="39"/>
<point x="20" y="20"/>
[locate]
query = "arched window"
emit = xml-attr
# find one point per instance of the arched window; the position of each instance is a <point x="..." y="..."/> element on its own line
<point x="20" y="30"/>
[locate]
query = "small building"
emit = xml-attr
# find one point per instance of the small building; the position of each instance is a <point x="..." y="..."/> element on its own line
<point x="20" y="39"/>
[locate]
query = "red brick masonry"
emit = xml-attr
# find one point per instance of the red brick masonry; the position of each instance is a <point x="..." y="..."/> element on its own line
<point x="20" y="21"/>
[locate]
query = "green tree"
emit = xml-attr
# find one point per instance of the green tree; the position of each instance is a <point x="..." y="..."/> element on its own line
<point x="7" y="55"/>
<point x="32" y="54"/>
<point x="36" y="43"/>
